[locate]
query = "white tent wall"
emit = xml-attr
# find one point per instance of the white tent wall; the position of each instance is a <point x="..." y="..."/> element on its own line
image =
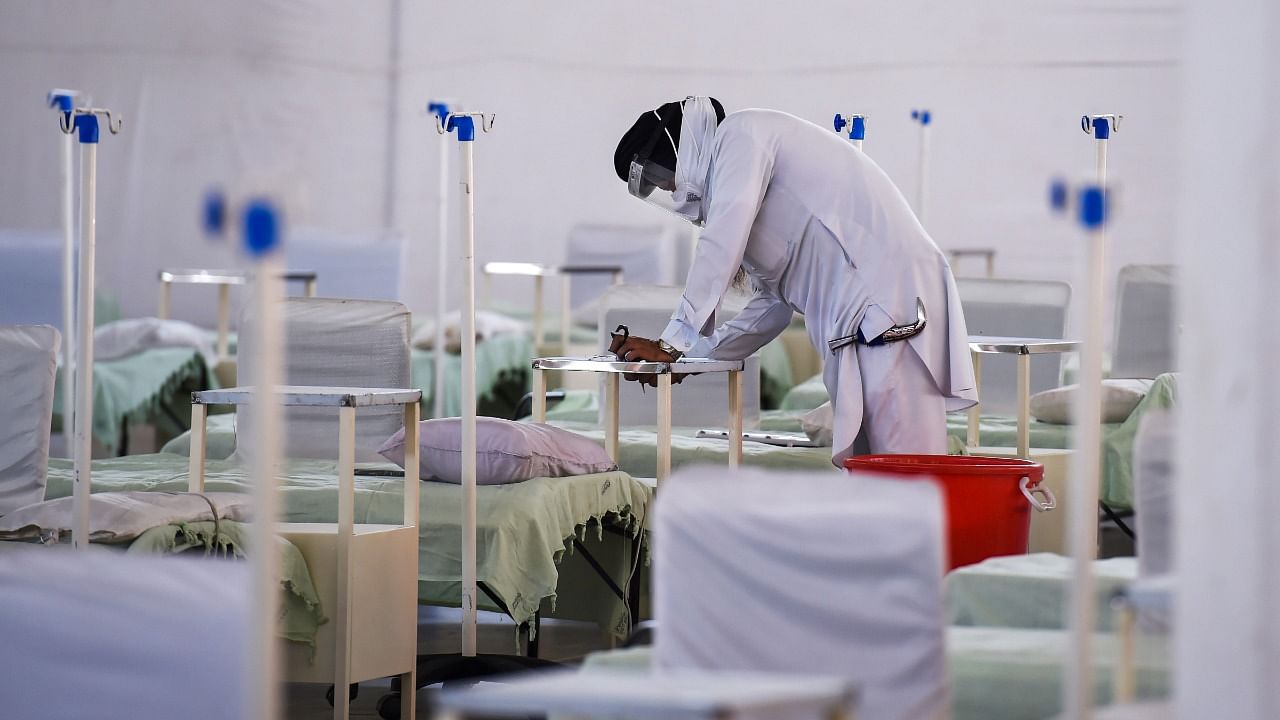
<point x="264" y="94"/>
<point x="1006" y="80"/>
<point x="1227" y="652"/>
<point x="328" y="99"/>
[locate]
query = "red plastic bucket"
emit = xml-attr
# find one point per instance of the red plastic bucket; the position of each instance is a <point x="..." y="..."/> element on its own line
<point x="988" y="500"/>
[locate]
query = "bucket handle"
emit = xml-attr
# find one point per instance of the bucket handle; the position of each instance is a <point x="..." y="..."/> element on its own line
<point x="1050" y="502"/>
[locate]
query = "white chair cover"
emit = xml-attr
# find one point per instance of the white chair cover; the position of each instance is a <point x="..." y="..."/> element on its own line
<point x="700" y="401"/>
<point x="339" y="343"/>
<point x="1155" y="478"/>
<point x="1145" y="329"/>
<point x="28" y="366"/>
<point x="348" y="265"/>
<point x="823" y="573"/>
<point x="30" y="278"/>
<point x="648" y="254"/>
<point x="1015" y="308"/>
<point x="111" y="636"/>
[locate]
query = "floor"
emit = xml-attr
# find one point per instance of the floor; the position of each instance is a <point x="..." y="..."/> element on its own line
<point x="439" y="632"/>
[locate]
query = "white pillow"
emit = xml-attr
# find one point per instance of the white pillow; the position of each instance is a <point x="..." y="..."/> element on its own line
<point x="507" y="452"/>
<point x="121" y="516"/>
<point x="488" y="324"/>
<point x="818" y="424"/>
<point x="1119" y="398"/>
<point x="130" y="337"/>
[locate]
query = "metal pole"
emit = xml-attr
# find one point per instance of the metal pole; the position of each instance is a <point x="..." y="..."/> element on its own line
<point x="442" y="274"/>
<point x="925" y="118"/>
<point x="68" y="289"/>
<point x="83" y="420"/>
<point x="1085" y="461"/>
<point x="466" y="145"/>
<point x="261" y="232"/>
<point x="64" y="101"/>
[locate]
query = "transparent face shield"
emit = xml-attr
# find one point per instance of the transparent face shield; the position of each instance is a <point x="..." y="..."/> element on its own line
<point x="655" y="183"/>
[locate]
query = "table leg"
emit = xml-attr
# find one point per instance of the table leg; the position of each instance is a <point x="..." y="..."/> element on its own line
<point x="975" y="412"/>
<point x="165" y="297"/>
<point x="224" y="321"/>
<point x="1124" y="685"/>
<point x="196" y="453"/>
<point x="565" y="325"/>
<point x="664" y="427"/>
<point x="611" y="386"/>
<point x="1024" y="406"/>
<point x="735" y="419"/>
<point x="539" y="395"/>
<point x="346" y="524"/>
<point x="309" y="287"/>
<point x="538" y="331"/>
<point x="411" y="469"/>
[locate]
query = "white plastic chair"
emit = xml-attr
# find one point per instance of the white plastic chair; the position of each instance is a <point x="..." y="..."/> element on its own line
<point x="1145" y="330"/>
<point x="805" y="573"/>
<point x="647" y="254"/>
<point x="28" y="365"/>
<point x="334" y="343"/>
<point x="1015" y="308"/>
<point x="700" y="400"/>
<point x="118" y="637"/>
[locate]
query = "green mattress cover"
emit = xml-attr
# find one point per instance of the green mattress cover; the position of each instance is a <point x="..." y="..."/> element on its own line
<point x="133" y="389"/>
<point x="503" y="359"/>
<point x="300" y="614"/>
<point x="525" y="529"/>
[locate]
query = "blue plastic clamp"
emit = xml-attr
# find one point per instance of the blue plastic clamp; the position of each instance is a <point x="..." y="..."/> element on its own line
<point x="1093" y="207"/>
<point x="213" y="213"/>
<point x="922" y="115"/>
<point x="440" y="109"/>
<point x="261" y="227"/>
<point x="87" y="125"/>
<point x="465" y="126"/>
<point x="1101" y="128"/>
<point x="840" y="122"/>
<point x="63" y="101"/>
<point x="859" y="129"/>
<point x="1058" y="195"/>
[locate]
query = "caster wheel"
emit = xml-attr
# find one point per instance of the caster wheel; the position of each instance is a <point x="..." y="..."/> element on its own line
<point x="351" y="695"/>
<point x="388" y="706"/>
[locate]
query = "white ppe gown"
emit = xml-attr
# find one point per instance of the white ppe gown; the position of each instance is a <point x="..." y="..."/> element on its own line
<point x="822" y="231"/>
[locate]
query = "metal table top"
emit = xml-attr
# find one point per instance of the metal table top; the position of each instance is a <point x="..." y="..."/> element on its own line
<point x="226" y="277"/>
<point x="537" y="269"/>
<point x="691" y="694"/>
<point x="681" y="367"/>
<point x="308" y="396"/>
<point x="1021" y="345"/>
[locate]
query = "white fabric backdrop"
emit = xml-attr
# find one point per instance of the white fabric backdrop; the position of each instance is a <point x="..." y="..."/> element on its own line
<point x="329" y="98"/>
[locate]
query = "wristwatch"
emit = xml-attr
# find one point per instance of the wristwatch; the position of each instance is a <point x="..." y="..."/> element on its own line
<point x="666" y="348"/>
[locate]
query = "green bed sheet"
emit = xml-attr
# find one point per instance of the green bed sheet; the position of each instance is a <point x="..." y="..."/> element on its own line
<point x="139" y="389"/>
<point x="503" y="376"/>
<point x="525" y="529"/>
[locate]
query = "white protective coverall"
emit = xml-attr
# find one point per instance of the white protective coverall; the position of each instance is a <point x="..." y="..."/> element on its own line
<point x="822" y="231"/>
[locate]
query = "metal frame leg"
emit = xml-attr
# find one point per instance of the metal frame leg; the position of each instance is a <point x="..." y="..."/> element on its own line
<point x="1024" y="406"/>
<point x="224" y="321"/>
<point x="611" y="418"/>
<point x="566" y="283"/>
<point x="735" y="419"/>
<point x="664" y="427"/>
<point x="166" y="294"/>
<point x="972" y="437"/>
<point x="346" y="525"/>
<point x="539" y="332"/>
<point x="539" y="395"/>
<point x="198" y="449"/>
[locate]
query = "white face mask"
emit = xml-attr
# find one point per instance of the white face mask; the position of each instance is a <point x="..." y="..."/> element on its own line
<point x="693" y="159"/>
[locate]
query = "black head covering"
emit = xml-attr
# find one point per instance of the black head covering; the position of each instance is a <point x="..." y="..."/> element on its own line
<point x="638" y="137"/>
